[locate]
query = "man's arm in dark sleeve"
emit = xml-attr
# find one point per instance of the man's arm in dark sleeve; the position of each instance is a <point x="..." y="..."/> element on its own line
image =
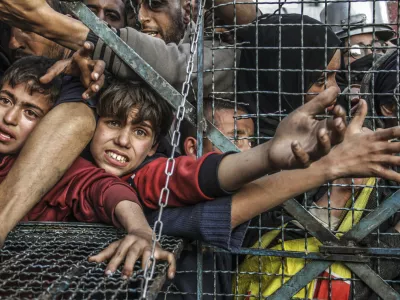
<point x="209" y="222"/>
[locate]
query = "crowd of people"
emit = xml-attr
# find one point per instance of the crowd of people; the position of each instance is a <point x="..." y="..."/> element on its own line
<point x="83" y="138"/>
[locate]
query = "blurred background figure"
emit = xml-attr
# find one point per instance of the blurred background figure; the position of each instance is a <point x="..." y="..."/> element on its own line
<point x="365" y="34"/>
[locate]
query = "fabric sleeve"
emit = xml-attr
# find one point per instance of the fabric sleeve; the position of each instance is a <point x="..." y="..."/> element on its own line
<point x="99" y="202"/>
<point x="209" y="222"/>
<point x="72" y="90"/>
<point x="170" y="60"/>
<point x="184" y="184"/>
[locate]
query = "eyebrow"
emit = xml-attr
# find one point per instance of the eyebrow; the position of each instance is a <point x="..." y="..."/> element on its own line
<point x="106" y="9"/>
<point x="143" y="123"/>
<point x="23" y="103"/>
<point x="239" y="131"/>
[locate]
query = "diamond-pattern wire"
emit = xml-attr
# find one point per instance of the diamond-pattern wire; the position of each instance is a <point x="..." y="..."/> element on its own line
<point x="170" y="165"/>
<point x="50" y="261"/>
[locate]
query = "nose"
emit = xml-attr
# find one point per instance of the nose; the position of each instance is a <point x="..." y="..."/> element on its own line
<point x="15" y="39"/>
<point x="101" y="15"/>
<point x="143" y="14"/>
<point x="11" y="117"/>
<point x="122" y="139"/>
<point x="245" y="145"/>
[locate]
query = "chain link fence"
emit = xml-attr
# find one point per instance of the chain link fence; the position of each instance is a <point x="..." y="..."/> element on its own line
<point x="339" y="241"/>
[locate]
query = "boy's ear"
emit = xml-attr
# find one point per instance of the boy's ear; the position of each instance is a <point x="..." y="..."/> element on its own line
<point x="153" y="150"/>
<point x="186" y="11"/>
<point x="388" y="109"/>
<point x="190" y="147"/>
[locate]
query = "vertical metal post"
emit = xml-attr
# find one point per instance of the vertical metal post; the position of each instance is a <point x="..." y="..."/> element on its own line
<point x="200" y="128"/>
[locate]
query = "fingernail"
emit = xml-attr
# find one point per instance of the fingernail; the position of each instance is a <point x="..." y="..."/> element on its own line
<point x="96" y="76"/>
<point x="86" y="96"/>
<point x="109" y="273"/>
<point x="124" y="277"/>
<point x="96" y="87"/>
<point x="171" y="275"/>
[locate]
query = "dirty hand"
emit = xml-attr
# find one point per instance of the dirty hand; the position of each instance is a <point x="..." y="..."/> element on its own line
<point x="301" y="138"/>
<point x="363" y="152"/>
<point x="80" y="64"/>
<point x="131" y="248"/>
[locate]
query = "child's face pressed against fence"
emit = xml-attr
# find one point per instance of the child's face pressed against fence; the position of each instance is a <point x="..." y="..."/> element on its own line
<point x="119" y="147"/>
<point x="20" y="112"/>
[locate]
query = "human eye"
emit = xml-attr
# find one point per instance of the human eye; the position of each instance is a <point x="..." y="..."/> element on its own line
<point x="154" y="4"/>
<point x="113" y="17"/>
<point x="5" y="101"/>
<point x="140" y="132"/>
<point x="31" y="114"/>
<point x="113" y="123"/>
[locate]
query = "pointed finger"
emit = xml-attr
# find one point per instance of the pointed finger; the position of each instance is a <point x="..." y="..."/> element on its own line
<point x="55" y="70"/>
<point x="359" y="116"/>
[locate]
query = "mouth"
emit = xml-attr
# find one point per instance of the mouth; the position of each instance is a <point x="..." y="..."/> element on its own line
<point x="5" y="134"/>
<point x="152" y="33"/>
<point x="116" y="158"/>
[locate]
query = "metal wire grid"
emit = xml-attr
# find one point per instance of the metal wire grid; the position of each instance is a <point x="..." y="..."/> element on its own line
<point x="50" y="261"/>
<point x="262" y="224"/>
<point x="305" y="203"/>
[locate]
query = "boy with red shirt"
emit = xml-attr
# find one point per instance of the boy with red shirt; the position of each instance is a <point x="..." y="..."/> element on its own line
<point x="85" y="193"/>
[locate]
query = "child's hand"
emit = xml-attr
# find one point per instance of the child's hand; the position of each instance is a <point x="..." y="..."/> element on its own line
<point x="131" y="248"/>
<point x="301" y="138"/>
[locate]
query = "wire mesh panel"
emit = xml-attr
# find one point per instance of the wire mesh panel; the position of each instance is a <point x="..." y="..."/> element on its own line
<point x="339" y="240"/>
<point x="50" y="261"/>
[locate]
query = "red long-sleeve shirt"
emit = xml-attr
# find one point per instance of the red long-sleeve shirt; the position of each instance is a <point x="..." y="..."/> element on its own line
<point x="87" y="193"/>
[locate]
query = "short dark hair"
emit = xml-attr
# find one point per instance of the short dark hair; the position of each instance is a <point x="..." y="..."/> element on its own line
<point x="188" y="130"/>
<point x="120" y="97"/>
<point x="28" y="71"/>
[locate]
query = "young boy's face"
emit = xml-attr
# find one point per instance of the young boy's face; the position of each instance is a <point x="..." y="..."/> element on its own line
<point x="119" y="147"/>
<point x="20" y="112"/>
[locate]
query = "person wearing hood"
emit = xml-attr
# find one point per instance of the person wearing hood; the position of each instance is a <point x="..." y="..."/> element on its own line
<point x="272" y="94"/>
<point x="365" y="37"/>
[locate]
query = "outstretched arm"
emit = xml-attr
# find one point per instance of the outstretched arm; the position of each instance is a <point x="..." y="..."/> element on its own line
<point x="363" y="153"/>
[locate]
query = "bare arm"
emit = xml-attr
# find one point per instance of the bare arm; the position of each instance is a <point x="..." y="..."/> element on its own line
<point x="39" y="17"/>
<point x="270" y="191"/>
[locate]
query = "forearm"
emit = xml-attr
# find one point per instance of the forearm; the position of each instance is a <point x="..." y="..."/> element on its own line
<point x="130" y="216"/>
<point x="60" y="28"/>
<point x="227" y="11"/>
<point x="238" y="169"/>
<point x="270" y="191"/>
<point x="50" y="150"/>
